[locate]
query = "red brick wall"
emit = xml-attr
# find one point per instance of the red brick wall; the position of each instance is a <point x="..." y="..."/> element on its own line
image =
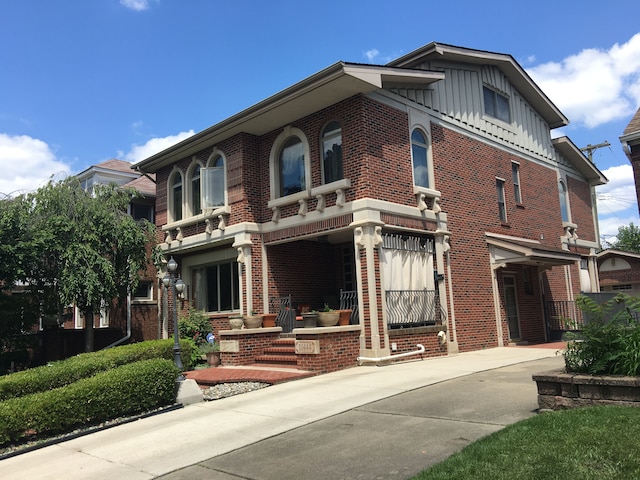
<point x="581" y="211"/>
<point x="338" y="351"/>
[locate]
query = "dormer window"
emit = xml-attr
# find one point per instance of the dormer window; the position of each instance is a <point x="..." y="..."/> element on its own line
<point x="496" y="105"/>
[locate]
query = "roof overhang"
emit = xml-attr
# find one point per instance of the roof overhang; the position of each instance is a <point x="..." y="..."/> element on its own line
<point x="327" y="87"/>
<point x="611" y="252"/>
<point x="571" y="152"/>
<point x="518" y="77"/>
<point x="510" y="251"/>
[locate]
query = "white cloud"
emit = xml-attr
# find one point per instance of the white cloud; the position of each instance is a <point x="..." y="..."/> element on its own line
<point x="137" y="5"/>
<point x="620" y="193"/>
<point x="371" y="54"/>
<point x="594" y="86"/>
<point x="27" y="163"/>
<point x="153" y="146"/>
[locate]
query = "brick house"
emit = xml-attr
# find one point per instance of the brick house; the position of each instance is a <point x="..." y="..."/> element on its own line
<point x="139" y="317"/>
<point x="630" y="140"/>
<point x="428" y="189"/>
<point x="619" y="271"/>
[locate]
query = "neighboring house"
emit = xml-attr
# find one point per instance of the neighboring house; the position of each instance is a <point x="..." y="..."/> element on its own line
<point x="428" y="189"/>
<point x="142" y="316"/>
<point x="619" y="272"/>
<point x="630" y="140"/>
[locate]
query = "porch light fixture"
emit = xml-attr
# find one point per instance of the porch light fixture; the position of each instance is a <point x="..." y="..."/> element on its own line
<point x="177" y="286"/>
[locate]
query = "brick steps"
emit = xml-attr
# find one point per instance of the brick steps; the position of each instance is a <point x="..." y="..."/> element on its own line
<point x="282" y="353"/>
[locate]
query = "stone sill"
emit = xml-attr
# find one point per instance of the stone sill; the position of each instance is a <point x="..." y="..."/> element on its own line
<point x="320" y="330"/>
<point x="560" y="390"/>
<point x="249" y="331"/>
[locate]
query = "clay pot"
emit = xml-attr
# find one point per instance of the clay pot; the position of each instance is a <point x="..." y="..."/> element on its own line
<point x="268" y="320"/>
<point x="253" y="321"/>
<point x="328" y="319"/>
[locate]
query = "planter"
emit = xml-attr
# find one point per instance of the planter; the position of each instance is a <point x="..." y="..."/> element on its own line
<point x="328" y="319"/>
<point x="309" y="320"/>
<point x="213" y="359"/>
<point x="269" y="320"/>
<point x="345" y="317"/>
<point x="235" y="323"/>
<point x="253" y="321"/>
<point x="558" y="390"/>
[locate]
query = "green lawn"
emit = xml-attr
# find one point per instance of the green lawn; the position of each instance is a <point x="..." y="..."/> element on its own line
<point x="596" y="443"/>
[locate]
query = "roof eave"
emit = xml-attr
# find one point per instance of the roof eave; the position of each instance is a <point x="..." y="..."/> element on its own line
<point x="327" y="87"/>
<point x="572" y="153"/>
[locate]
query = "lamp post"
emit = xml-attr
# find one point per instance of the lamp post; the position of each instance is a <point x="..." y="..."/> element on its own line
<point x="177" y="286"/>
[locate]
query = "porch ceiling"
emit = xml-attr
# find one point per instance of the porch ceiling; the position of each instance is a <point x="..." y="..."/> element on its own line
<point x="528" y="252"/>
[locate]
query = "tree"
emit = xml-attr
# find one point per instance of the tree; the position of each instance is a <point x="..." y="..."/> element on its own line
<point x="628" y="239"/>
<point x="80" y="248"/>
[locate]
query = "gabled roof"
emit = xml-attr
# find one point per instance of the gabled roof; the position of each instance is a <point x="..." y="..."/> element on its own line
<point x="611" y="252"/>
<point x="144" y="185"/>
<point x="631" y="134"/>
<point x="506" y="63"/>
<point x="109" y="166"/>
<point x="336" y="83"/>
<point x="572" y="153"/>
<point x="513" y="250"/>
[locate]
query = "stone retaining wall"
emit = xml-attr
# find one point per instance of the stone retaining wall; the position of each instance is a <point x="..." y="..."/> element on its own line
<point x="559" y="390"/>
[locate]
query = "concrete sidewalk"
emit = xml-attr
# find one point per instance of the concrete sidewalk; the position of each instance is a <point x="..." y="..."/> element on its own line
<point x="326" y="426"/>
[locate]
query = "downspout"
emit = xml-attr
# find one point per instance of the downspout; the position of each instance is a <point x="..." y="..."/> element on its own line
<point x="420" y="351"/>
<point x="128" y="335"/>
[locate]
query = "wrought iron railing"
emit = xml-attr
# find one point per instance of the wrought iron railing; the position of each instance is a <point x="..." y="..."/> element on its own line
<point x="349" y="301"/>
<point x="285" y="315"/>
<point x="408" y="308"/>
<point x="563" y="315"/>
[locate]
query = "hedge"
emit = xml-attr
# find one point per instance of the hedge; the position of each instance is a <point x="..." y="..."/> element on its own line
<point x="125" y="390"/>
<point x="65" y="372"/>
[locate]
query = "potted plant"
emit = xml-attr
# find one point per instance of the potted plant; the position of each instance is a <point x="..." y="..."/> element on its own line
<point x="345" y="317"/>
<point x="211" y="349"/>
<point x="253" y="321"/>
<point x="328" y="317"/>
<point x="236" y="322"/>
<point x="269" y="320"/>
<point x="310" y="319"/>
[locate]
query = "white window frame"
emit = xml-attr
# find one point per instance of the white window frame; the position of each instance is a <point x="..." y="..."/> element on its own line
<point x="425" y="132"/>
<point x="563" y="196"/>
<point x="207" y="180"/>
<point x="517" y="191"/>
<point x="274" y="165"/>
<point x="189" y="190"/>
<point x="502" y="203"/>
<point x="495" y="94"/>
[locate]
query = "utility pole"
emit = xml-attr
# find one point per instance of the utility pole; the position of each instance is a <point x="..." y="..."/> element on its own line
<point x="592" y="148"/>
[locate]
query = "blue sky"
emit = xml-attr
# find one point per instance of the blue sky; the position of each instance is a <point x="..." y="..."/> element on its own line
<point x="85" y="81"/>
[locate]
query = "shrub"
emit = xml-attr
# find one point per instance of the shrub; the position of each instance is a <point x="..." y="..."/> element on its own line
<point x="125" y="390"/>
<point x="195" y="327"/>
<point x="64" y="372"/>
<point x="609" y="343"/>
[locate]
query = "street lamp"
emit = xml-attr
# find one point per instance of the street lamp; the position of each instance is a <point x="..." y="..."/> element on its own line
<point x="177" y="285"/>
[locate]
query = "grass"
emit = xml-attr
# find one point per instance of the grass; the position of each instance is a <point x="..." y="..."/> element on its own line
<point x="586" y="443"/>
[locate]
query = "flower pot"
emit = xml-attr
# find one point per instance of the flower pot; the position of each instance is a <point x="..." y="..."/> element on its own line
<point x="253" y="321"/>
<point x="345" y="317"/>
<point x="213" y="359"/>
<point x="269" y="320"/>
<point x="235" y="323"/>
<point x="309" y="320"/>
<point x="328" y="319"/>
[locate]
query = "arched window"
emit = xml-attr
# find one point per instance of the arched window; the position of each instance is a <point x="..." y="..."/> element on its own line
<point x="291" y="167"/>
<point x="564" y="204"/>
<point x="196" y="203"/>
<point x="419" y="148"/>
<point x="176" y="197"/>
<point x="332" y="152"/>
<point x="213" y="180"/>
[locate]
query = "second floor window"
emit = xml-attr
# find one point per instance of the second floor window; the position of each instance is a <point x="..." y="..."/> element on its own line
<point x="419" y="156"/>
<point x="291" y="167"/>
<point x="564" y="204"/>
<point x="332" y="152"/>
<point x="213" y="183"/>
<point x="176" y="197"/>
<point x="515" y="171"/>
<point x="502" y="208"/>
<point x="196" y="204"/>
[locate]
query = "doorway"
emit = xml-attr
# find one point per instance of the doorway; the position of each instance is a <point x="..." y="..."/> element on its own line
<point x="511" y="306"/>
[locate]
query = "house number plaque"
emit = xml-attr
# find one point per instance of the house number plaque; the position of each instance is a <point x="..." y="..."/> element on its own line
<point x="309" y="347"/>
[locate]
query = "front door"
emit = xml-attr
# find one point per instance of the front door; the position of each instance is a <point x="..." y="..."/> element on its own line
<point x="511" y="306"/>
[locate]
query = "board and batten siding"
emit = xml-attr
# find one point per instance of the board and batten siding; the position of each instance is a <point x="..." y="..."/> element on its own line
<point x="459" y="98"/>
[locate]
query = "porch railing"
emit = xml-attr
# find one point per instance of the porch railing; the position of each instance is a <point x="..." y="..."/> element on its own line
<point x="285" y="315"/>
<point x="563" y="315"/>
<point x="410" y="308"/>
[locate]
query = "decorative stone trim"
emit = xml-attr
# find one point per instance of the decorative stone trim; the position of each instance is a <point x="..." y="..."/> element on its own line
<point x="558" y="390"/>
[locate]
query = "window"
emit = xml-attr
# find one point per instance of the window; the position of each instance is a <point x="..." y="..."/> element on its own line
<point x="617" y="288"/>
<point x="291" y="167"/>
<point x="515" y="171"/>
<point x="176" y="197"/>
<point x="196" y="204"/>
<point x="213" y="182"/>
<point x="332" y="152"/>
<point x="419" y="148"/>
<point x="142" y="211"/>
<point x="144" y="291"/>
<point x="564" y="204"/>
<point x="216" y="287"/>
<point x="502" y="209"/>
<point x="496" y="105"/>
